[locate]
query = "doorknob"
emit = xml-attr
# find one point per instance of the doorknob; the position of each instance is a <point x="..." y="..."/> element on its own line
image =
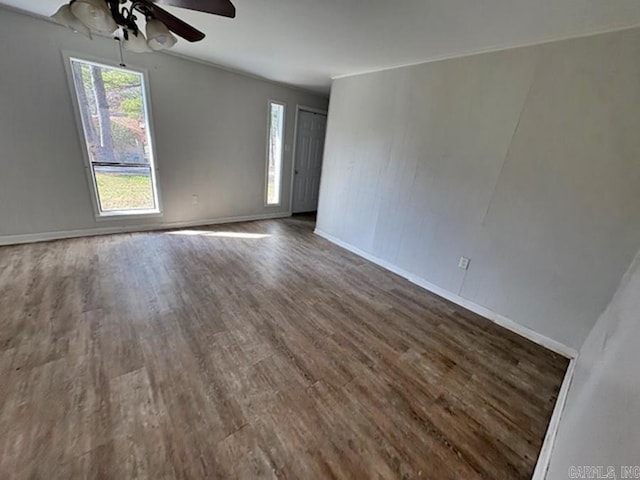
<point x="295" y="171"/>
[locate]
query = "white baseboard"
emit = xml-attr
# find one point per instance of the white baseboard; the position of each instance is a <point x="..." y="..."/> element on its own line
<point x="90" y="232"/>
<point x="495" y="317"/>
<point x="544" y="457"/>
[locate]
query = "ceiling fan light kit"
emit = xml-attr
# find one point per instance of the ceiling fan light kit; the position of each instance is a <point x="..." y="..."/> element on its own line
<point x="94" y="14"/>
<point x="160" y="38"/>
<point x="134" y="42"/>
<point x="65" y="17"/>
<point x="117" y="17"/>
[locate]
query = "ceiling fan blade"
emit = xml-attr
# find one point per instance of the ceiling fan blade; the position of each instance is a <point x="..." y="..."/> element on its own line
<point x="173" y="23"/>
<point x="218" y="7"/>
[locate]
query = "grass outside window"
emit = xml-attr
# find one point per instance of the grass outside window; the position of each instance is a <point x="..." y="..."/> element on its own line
<point x="124" y="191"/>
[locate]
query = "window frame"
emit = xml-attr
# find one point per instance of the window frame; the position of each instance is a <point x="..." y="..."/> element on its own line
<point x="271" y="102"/>
<point x="99" y="215"/>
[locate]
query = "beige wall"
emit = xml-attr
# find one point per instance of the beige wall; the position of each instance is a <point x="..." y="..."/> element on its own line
<point x="210" y="127"/>
<point x="525" y="160"/>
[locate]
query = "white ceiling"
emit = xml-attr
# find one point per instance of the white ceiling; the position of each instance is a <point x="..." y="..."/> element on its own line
<point x="308" y="42"/>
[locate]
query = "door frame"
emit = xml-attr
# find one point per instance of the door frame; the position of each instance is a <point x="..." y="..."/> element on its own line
<point x="300" y="108"/>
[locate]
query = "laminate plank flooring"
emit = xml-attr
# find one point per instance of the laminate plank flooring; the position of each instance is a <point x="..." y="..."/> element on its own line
<point x="253" y="350"/>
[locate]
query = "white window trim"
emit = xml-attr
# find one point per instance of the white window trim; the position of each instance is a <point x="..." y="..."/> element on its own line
<point x="67" y="57"/>
<point x="266" y="171"/>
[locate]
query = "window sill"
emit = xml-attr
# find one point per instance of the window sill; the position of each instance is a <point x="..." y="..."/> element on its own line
<point x="122" y="214"/>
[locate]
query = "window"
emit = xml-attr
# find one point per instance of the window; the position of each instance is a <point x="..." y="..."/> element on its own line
<point x="112" y="104"/>
<point x="274" y="152"/>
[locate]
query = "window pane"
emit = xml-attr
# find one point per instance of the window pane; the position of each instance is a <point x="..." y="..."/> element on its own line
<point x="114" y="121"/>
<point x="274" y="170"/>
<point x="124" y="188"/>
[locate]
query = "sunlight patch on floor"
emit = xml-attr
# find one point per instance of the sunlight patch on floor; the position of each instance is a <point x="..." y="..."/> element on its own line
<point x="206" y="233"/>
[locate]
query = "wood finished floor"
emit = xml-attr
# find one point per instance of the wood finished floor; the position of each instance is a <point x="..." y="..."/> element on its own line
<point x="162" y="356"/>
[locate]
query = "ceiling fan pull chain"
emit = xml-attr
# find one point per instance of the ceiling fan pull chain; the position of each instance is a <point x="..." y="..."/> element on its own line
<point x="122" y="64"/>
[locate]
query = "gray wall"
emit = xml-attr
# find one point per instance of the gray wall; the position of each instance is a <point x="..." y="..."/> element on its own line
<point x="525" y="160"/>
<point x="600" y="421"/>
<point x="210" y="131"/>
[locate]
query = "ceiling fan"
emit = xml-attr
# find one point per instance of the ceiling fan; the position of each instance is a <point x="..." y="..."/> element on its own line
<point x="120" y="17"/>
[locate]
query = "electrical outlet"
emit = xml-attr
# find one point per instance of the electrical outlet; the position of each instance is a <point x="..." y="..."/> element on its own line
<point x="463" y="263"/>
<point x="195" y="200"/>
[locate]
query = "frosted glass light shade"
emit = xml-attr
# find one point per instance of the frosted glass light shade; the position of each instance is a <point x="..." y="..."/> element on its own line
<point x="160" y="38"/>
<point x="135" y="43"/>
<point x="64" y="17"/>
<point x="95" y="15"/>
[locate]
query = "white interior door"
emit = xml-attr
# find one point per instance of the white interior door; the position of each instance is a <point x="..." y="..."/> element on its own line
<point x="308" y="160"/>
